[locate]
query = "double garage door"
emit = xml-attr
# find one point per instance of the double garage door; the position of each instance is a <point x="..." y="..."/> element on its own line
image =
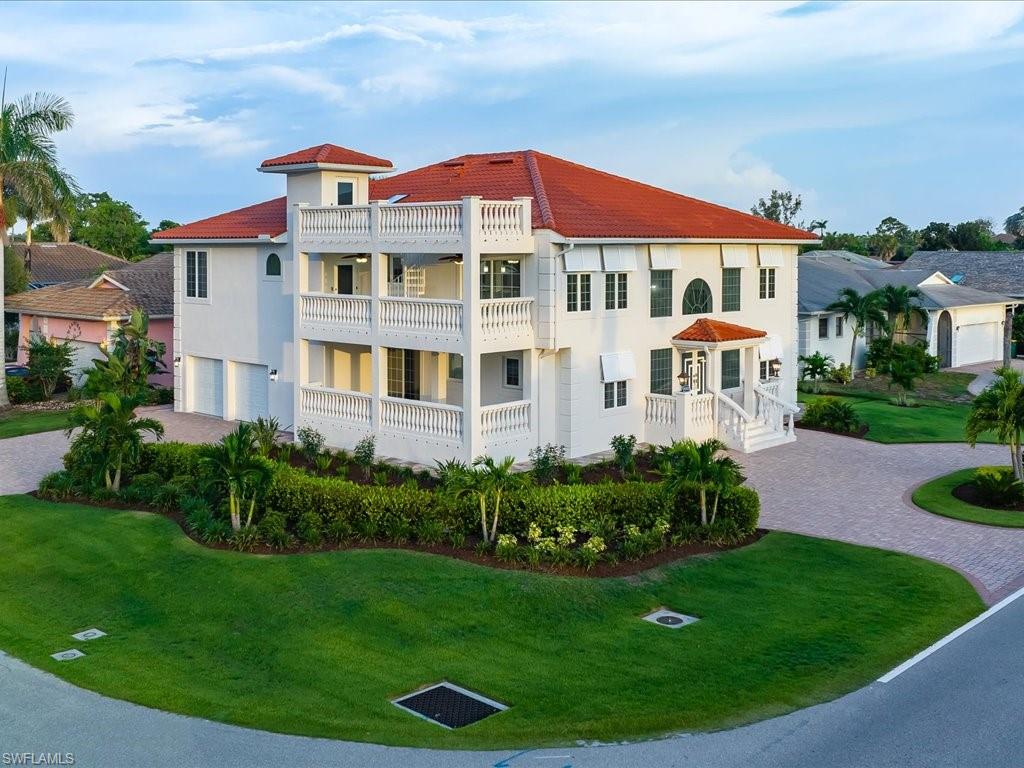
<point x="248" y="388"/>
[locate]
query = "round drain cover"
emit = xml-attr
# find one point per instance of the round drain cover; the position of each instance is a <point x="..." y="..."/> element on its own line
<point x="670" y="621"/>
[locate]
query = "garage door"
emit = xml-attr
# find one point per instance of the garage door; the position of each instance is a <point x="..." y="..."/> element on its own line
<point x="979" y="343"/>
<point x="207" y="386"/>
<point x="82" y="355"/>
<point x="250" y="391"/>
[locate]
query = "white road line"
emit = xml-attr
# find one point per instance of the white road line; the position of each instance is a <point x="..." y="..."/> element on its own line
<point x="893" y="674"/>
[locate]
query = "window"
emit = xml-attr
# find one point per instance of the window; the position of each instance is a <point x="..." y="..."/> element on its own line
<point x="577" y="293"/>
<point x="500" y="279"/>
<point x="513" y="371"/>
<point x="273" y="265"/>
<point x="196" y="275"/>
<point x="697" y="298"/>
<point x="403" y="373"/>
<point x="614" y="394"/>
<point x="730" y="369"/>
<point x="839" y="326"/>
<point x="455" y="366"/>
<point x="615" y="290"/>
<point x="731" y="289"/>
<point x="763" y="370"/>
<point x="767" y="283"/>
<point x="661" y="293"/>
<point x="661" y="371"/>
<point x="345" y="192"/>
<point x="822" y="327"/>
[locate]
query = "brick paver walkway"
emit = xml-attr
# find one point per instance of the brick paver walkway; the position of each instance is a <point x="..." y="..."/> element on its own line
<point x="859" y="491"/>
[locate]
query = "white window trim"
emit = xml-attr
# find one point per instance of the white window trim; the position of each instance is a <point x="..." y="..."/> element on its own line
<point x="184" y="278"/>
<point x="604" y="292"/>
<point x="504" y="373"/>
<point x="355" y="189"/>
<point x="771" y="283"/>
<point x="616" y="407"/>
<point x="579" y="294"/>
<point x="263" y="267"/>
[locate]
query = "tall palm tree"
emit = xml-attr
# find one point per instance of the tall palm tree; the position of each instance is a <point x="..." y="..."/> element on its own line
<point x="1000" y="408"/>
<point x="901" y="305"/>
<point x="238" y="467"/>
<point x="688" y="462"/>
<point x="29" y="171"/>
<point x="497" y="480"/>
<point x="858" y="311"/>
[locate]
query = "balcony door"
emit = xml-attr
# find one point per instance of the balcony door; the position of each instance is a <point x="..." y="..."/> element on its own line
<point x="346" y="282"/>
<point x="404" y="373"/>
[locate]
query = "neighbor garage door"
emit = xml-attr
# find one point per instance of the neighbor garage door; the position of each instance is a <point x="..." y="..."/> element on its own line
<point x="83" y="353"/>
<point x="250" y="391"/>
<point x="207" y="386"/>
<point x="979" y="343"/>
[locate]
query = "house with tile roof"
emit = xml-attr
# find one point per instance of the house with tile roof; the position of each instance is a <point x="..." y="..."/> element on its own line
<point x="487" y="304"/>
<point x="87" y="311"/>
<point x="53" y="263"/>
<point x="965" y="325"/>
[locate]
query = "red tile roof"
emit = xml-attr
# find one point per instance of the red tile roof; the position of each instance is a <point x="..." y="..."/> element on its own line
<point x="331" y="154"/>
<point x="571" y="199"/>
<point x="267" y="218"/>
<point x="577" y="201"/>
<point x="713" y="331"/>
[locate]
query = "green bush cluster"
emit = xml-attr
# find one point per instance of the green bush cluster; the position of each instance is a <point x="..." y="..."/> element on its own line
<point x="832" y="414"/>
<point x="998" y="487"/>
<point x="21" y="390"/>
<point x="882" y="353"/>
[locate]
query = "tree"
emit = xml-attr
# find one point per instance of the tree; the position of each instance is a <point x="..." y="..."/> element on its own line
<point x="937" y="236"/>
<point x="819" y="226"/>
<point x="901" y="305"/>
<point x="1000" y="409"/>
<point x="845" y="241"/>
<point x="781" y="206"/>
<point x="129" y="361"/>
<point x="49" y="362"/>
<point x="15" y="275"/>
<point x="236" y="465"/>
<point x="1014" y="225"/>
<point x="816" y="367"/>
<point x="858" y="311"/>
<point x="29" y="170"/>
<point x="486" y="479"/>
<point x="889" y="235"/>
<point x="904" y="371"/>
<point x="974" y="235"/>
<point x="109" y="225"/>
<point x="164" y="224"/>
<point x="111" y="435"/>
<point x="691" y="463"/>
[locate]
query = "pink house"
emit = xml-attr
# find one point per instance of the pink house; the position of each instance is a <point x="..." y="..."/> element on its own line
<point x="87" y="312"/>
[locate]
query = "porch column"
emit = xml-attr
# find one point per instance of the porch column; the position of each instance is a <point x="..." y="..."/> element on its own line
<point x="531" y="390"/>
<point x="750" y="375"/>
<point x="472" y="441"/>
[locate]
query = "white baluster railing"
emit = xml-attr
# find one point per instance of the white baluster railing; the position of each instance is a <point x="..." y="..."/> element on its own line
<point x="334" y="222"/>
<point x="501" y="220"/>
<point x="336" y="309"/>
<point x="771" y="387"/>
<point x="506" y="317"/>
<point x="776" y="413"/>
<point x="704" y="408"/>
<point x="335" y="404"/>
<point x="421" y="220"/>
<point x="431" y="419"/>
<point x="732" y="421"/>
<point x="421" y="315"/>
<point x="505" y="419"/>
<point x="661" y="409"/>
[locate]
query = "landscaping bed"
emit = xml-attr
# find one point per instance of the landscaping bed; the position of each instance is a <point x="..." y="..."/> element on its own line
<point x="956" y="495"/>
<point x="320" y="645"/>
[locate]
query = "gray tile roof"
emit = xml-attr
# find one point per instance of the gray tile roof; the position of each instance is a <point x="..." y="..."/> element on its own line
<point x="995" y="271"/>
<point x="823" y="277"/>
<point x="52" y="263"/>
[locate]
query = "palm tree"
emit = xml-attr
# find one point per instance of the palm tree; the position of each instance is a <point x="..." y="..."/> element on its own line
<point x="1000" y="409"/>
<point x="819" y="225"/>
<point x="238" y="467"/>
<point x="901" y="305"/>
<point x="858" y="311"/>
<point x="111" y="434"/>
<point x="904" y="371"/>
<point x="29" y="171"/>
<point x="690" y="463"/>
<point x="497" y="479"/>
<point x="816" y="367"/>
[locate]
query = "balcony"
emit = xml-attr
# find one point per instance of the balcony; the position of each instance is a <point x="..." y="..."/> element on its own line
<point x="499" y="226"/>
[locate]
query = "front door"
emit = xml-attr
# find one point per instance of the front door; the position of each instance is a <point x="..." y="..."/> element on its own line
<point x="945" y="340"/>
<point x="345" y="283"/>
<point x="696" y="373"/>
<point x="404" y="373"/>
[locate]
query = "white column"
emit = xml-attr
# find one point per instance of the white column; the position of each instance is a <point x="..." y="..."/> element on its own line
<point x="472" y="440"/>
<point x="750" y="375"/>
<point x="300" y="281"/>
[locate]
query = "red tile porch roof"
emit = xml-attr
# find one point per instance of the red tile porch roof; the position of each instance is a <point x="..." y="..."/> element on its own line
<point x="330" y="154"/>
<point x="714" y="331"/>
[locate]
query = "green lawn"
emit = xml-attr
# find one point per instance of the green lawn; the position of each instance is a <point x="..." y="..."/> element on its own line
<point x="937" y="496"/>
<point x="18" y="423"/>
<point x="931" y="421"/>
<point x="318" y="644"/>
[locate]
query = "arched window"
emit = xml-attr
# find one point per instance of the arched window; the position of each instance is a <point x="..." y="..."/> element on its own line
<point x="697" y="298"/>
<point x="273" y="265"/>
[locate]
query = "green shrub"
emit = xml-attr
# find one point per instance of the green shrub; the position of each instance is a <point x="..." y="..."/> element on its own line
<point x="740" y="508"/>
<point x="832" y="414"/>
<point x="547" y="461"/>
<point x="311" y="442"/>
<point x="22" y="390"/>
<point x="273" y="530"/>
<point x="841" y="374"/>
<point x="309" y="528"/>
<point x="364" y="454"/>
<point x="57" y="485"/>
<point x="507" y="548"/>
<point x="998" y="487"/>
<point x="624" y="448"/>
<point x="171" y="460"/>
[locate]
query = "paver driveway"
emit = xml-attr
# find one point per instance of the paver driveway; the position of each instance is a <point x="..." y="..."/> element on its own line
<point x="859" y="491"/>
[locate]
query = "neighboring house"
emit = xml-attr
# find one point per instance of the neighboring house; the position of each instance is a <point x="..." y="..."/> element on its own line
<point x="487" y="304"/>
<point x="994" y="271"/>
<point x="965" y="325"/>
<point x="87" y="312"/>
<point x="54" y="263"/>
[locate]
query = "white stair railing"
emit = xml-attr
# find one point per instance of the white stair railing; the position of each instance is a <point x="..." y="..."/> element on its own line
<point x="430" y="419"/>
<point x="776" y="413"/>
<point x="732" y="421"/>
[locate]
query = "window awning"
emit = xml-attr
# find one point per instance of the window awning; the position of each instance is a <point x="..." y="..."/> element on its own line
<point x="617" y="366"/>
<point x="771" y="255"/>
<point x="665" y="256"/>
<point x="770" y="348"/>
<point x="619" y="258"/>
<point x="735" y="256"/>
<point x="583" y="258"/>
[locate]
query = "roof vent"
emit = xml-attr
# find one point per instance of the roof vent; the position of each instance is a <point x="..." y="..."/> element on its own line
<point x="454" y="164"/>
<point x="502" y="161"/>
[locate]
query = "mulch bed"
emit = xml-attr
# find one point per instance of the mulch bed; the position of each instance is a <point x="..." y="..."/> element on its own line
<point x="860" y="433"/>
<point x="467" y="553"/>
<point x="968" y="493"/>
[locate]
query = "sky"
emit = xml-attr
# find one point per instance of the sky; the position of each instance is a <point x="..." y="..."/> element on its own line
<point x="866" y="110"/>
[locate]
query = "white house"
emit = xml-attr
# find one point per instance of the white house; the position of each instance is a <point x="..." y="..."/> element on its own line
<point x="487" y="304"/>
<point x="965" y="325"/>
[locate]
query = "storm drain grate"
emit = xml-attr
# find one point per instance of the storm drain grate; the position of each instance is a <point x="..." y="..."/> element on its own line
<point x="671" y="619"/>
<point x="89" y="634"/>
<point x="68" y="655"/>
<point x="449" y="705"/>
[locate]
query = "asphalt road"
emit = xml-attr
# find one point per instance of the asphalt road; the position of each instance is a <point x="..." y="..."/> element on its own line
<point x="960" y="707"/>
